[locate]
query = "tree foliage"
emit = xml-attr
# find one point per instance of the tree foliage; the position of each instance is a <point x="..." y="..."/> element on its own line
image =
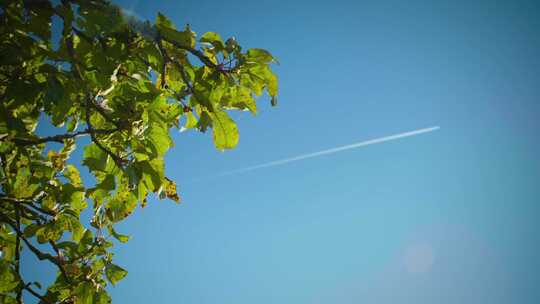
<point x="84" y="69"/>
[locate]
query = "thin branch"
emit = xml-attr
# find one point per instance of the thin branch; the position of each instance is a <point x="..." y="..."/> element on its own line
<point x="166" y="59"/>
<point x="40" y="255"/>
<point x="183" y="73"/>
<point x="101" y="111"/>
<point x="17" y="251"/>
<point x="203" y="58"/>
<point x="29" y="203"/>
<point x="118" y="160"/>
<point x="59" y="138"/>
<point x="35" y="294"/>
<point x="60" y="255"/>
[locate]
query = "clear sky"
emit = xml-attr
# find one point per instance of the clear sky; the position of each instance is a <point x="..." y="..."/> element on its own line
<point x="444" y="217"/>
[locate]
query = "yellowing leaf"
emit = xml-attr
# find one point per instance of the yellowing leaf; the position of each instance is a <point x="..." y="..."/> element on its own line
<point x="170" y="190"/>
<point x="115" y="273"/>
<point x="225" y="132"/>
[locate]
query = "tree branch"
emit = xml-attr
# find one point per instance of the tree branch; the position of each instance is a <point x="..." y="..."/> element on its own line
<point x="60" y="255"/>
<point x="59" y="138"/>
<point x="183" y="73"/>
<point x="40" y="255"/>
<point x="29" y="203"/>
<point x="35" y="294"/>
<point x="203" y="58"/>
<point x="118" y="160"/>
<point x="17" y="252"/>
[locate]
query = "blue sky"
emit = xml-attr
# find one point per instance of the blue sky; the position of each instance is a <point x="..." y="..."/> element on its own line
<point x="445" y="217"/>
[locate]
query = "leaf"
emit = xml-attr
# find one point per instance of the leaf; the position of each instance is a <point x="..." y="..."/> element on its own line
<point x="163" y="21"/>
<point x="121" y="204"/>
<point x="84" y="293"/>
<point x="73" y="175"/>
<point x="170" y="190"/>
<point x="259" y="55"/>
<point x="94" y="158"/>
<point x="31" y="230"/>
<point x="122" y="238"/>
<point x="214" y="39"/>
<point x="152" y="174"/>
<point x="274" y="101"/>
<point x="204" y="122"/>
<point x="115" y="273"/>
<point x="191" y="121"/>
<point x="23" y="186"/>
<point x="8" y="277"/>
<point x="102" y="297"/>
<point x="225" y="132"/>
<point x="167" y="30"/>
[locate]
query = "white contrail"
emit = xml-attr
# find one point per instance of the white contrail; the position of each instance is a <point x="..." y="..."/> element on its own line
<point x="332" y="150"/>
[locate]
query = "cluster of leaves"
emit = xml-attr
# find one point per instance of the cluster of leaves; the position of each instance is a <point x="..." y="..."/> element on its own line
<point x="123" y="84"/>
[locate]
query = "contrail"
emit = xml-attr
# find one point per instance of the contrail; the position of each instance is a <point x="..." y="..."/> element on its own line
<point x="332" y="150"/>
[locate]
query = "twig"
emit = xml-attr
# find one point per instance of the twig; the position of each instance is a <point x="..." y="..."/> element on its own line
<point x="59" y="254"/>
<point x="17" y="252"/>
<point x="118" y="160"/>
<point x="183" y="73"/>
<point x="40" y="255"/>
<point x="26" y="207"/>
<point x="59" y="138"/>
<point x="35" y="294"/>
<point x="194" y="52"/>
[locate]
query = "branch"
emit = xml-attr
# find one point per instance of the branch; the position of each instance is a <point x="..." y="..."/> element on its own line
<point x="101" y="111"/>
<point x="17" y="252"/>
<point x="166" y="59"/>
<point x="59" y="254"/>
<point x="40" y="255"/>
<point x="203" y="58"/>
<point x="58" y="138"/>
<point x="35" y="294"/>
<point x="29" y="203"/>
<point x="118" y="160"/>
<point x="183" y="73"/>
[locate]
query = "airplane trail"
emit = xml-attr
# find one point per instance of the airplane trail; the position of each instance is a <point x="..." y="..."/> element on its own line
<point x="332" y="150"/>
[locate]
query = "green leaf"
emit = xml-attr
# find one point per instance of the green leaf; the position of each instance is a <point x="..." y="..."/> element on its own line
<point x="122" y="238"/>
<point x="121" y="204"/>
<point x="166" y="28"/>
<point x="8" y="277"/>
<point x="115" y="273"/>
<point x="101" y="297"/>
<point x="94" y="158"/>
<point x="191" y="121"/>
<point x="259" y="55"/>
<point x="204" y="122"/>
<point x="163" y="21"/>
<point x="84" y="293"/>
<point x="73" y="175"/>
<point x="152" y="174"/>
<point x="23" y="186"/>
<point x="214" y="39"/>
<point x="225" y="132"/>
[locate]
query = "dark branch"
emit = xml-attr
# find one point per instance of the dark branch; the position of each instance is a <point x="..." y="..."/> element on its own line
<point x="17" y="251"/>
<point x="58" y="138"/>
<point x="27" y="203"/>
<point x="40" y="255"/>
<point x="203" y="58"/>
<point x="118" y="160"/>
<point x="35" y="294"/>
<point x="60" y="255"/>
<point x="183" y="73"/>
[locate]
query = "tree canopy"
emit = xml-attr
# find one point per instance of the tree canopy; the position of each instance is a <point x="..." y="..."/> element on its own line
<point x="80" y="68"/>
